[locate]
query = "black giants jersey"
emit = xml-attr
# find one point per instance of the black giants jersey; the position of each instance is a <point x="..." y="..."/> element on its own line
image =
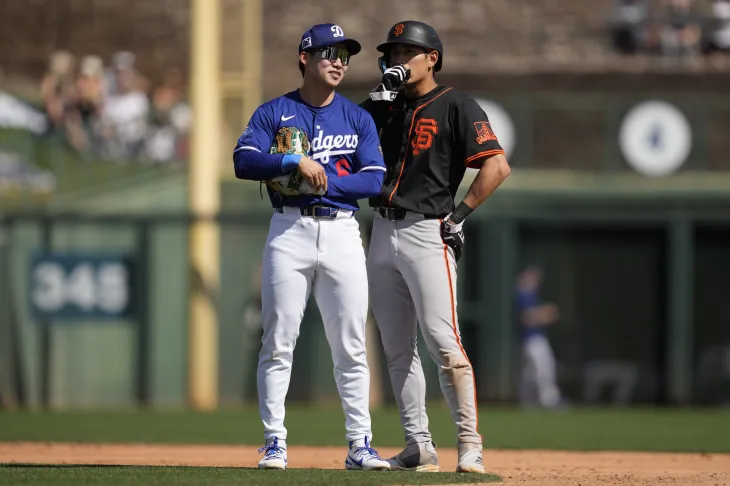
<point x="428" y="143"/>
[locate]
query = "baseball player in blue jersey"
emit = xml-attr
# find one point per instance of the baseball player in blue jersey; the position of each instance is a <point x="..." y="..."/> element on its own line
<point x="318" y="153"/>
<point x="538" y="384"/>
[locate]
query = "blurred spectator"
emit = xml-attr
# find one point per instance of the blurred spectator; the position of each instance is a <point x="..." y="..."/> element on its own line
<point x="538" y="383"/>
<point x="629" y="25"/>
<point x="171" y="119"/>
<point x="718" y="38"/>
<point x="125" y="115"/>
<point x="123" y="62"/>
<point x="681" y="33"/>
<point x="59" y="97"/>
<point x="110" y="111"/>
<point x="90" y="101"/>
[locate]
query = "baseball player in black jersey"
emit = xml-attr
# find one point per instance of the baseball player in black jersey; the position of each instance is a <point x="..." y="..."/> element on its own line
<point x="429" y="135"/>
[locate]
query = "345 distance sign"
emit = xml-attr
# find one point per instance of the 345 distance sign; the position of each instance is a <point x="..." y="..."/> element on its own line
<point x="78" y="286"/>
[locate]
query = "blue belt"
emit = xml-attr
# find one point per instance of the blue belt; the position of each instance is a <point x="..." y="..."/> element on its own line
<point x="322" y="212"/>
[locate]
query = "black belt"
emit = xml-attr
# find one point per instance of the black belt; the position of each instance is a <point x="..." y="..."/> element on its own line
<point x="316" y="211"/>
<point x="397" y="214"/>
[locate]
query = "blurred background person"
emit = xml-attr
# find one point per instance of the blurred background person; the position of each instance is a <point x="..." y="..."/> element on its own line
<point x="538" y="387"/>
<point x="59" y="96"/>
<point x="629" y="25"/>
<point x="682" y="32"/>
<point x="90" y="100"/>
<point x="170" y="119"/>
<point x="718" y="38"/>
<point x="126" y="111"/>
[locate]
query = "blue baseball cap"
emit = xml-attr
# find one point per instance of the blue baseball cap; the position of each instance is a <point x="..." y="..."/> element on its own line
<point x="323" y="35"/>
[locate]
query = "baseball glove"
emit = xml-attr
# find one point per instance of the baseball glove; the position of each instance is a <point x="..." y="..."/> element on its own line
<point x="292" y="185"/>
<point x="291" y="140"/>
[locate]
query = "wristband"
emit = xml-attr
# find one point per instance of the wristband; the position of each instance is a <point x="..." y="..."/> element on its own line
<point x="460" y="213"/>
<point x="290" y="161"/>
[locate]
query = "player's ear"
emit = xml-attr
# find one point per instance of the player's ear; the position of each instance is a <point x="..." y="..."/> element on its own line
<point x="303" y="61"/>
<point x="433" y="58"/>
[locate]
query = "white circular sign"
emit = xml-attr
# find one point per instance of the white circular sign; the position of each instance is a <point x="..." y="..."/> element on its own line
<point x="501" y="123"/>
<point x="655" y="138"/>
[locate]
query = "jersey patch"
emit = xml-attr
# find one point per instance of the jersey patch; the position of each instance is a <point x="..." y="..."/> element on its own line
<point x="426" y="128"/>
<point x="290" y="140"/>
<point x="484" y="132"/>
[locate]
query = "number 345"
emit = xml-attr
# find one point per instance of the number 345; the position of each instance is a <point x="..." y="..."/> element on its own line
<point x="89" y="287"/>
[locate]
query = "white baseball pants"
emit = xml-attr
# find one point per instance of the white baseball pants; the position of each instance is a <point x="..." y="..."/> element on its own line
<point x="302" y="255"/>
<point x="412" y="277"/>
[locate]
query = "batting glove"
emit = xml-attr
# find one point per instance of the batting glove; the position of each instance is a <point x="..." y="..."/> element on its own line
<point x="394" y="77"/>
<point x="453" y="236"/>
<point x="392" y="81"/>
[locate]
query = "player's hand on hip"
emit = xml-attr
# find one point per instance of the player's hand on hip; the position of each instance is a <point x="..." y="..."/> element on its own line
<point x="453" y="236"/>
<point x="313" y="172"/>
<point x="394" y="77"/>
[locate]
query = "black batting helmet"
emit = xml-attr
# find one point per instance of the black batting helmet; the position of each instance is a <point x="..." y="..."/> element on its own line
<point x="414" y="33"/>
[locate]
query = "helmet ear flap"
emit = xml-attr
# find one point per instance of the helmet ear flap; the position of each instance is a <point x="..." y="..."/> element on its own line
<point x="383" y="64"/>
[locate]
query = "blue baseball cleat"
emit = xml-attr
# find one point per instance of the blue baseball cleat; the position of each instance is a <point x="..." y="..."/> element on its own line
<point x="362" y="457"/>
<point x="275" y="455"/>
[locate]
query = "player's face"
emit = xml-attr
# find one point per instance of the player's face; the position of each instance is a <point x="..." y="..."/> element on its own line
<point x="328" y="65"/>
<point x="419" y="60"/>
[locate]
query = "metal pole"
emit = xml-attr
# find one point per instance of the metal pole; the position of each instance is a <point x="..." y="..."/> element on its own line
<point x="508" y="238"/>
<point x="680" y="311"/>
<point x="253" y="47"/>
<point x="204" y="201"/>
<point x="7" y="393"/>
<point x="46" y="337"/>
<point x="142" y="280"/>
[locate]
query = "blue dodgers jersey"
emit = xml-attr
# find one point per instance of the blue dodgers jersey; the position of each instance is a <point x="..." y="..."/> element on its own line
<point x="527" y="300"/>
<point x="342" y="136"/>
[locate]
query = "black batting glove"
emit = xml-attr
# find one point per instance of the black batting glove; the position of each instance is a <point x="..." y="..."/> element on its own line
<point x="394" y="77"/>
<point x="453" y="236"/>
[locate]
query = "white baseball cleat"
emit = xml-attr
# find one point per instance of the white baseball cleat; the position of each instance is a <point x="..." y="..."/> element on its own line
<point x="362" y="457"/>
<point x="418" y="456"/>
<point x="470" y="458"/>
<point x="275" y="455"/>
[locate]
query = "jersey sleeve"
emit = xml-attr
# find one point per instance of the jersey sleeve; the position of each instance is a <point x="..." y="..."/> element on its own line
<point x="259" y="132"/>
<point x="251" y="158"/>
<point x="369" y="154"/>
<point x="474" y="134"/>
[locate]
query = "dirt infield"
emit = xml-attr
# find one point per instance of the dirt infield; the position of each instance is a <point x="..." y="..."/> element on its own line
<point x="545" y="468"/>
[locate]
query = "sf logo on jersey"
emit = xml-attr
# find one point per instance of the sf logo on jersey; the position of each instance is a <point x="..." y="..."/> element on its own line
<point x="426" y="128"/>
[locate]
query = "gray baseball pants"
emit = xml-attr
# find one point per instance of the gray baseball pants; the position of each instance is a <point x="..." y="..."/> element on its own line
<point x="412" y="281"/>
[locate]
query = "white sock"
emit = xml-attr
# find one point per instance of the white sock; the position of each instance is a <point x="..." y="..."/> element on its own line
<point x="358" y="442"/>
<point x="281" y="442"/>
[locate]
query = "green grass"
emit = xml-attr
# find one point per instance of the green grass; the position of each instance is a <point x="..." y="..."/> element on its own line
<point x="580" y="429"/>
<point x="212" y="476"/>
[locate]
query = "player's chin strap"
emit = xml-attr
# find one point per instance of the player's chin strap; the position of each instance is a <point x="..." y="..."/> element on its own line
<point x="394" y="77"/>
